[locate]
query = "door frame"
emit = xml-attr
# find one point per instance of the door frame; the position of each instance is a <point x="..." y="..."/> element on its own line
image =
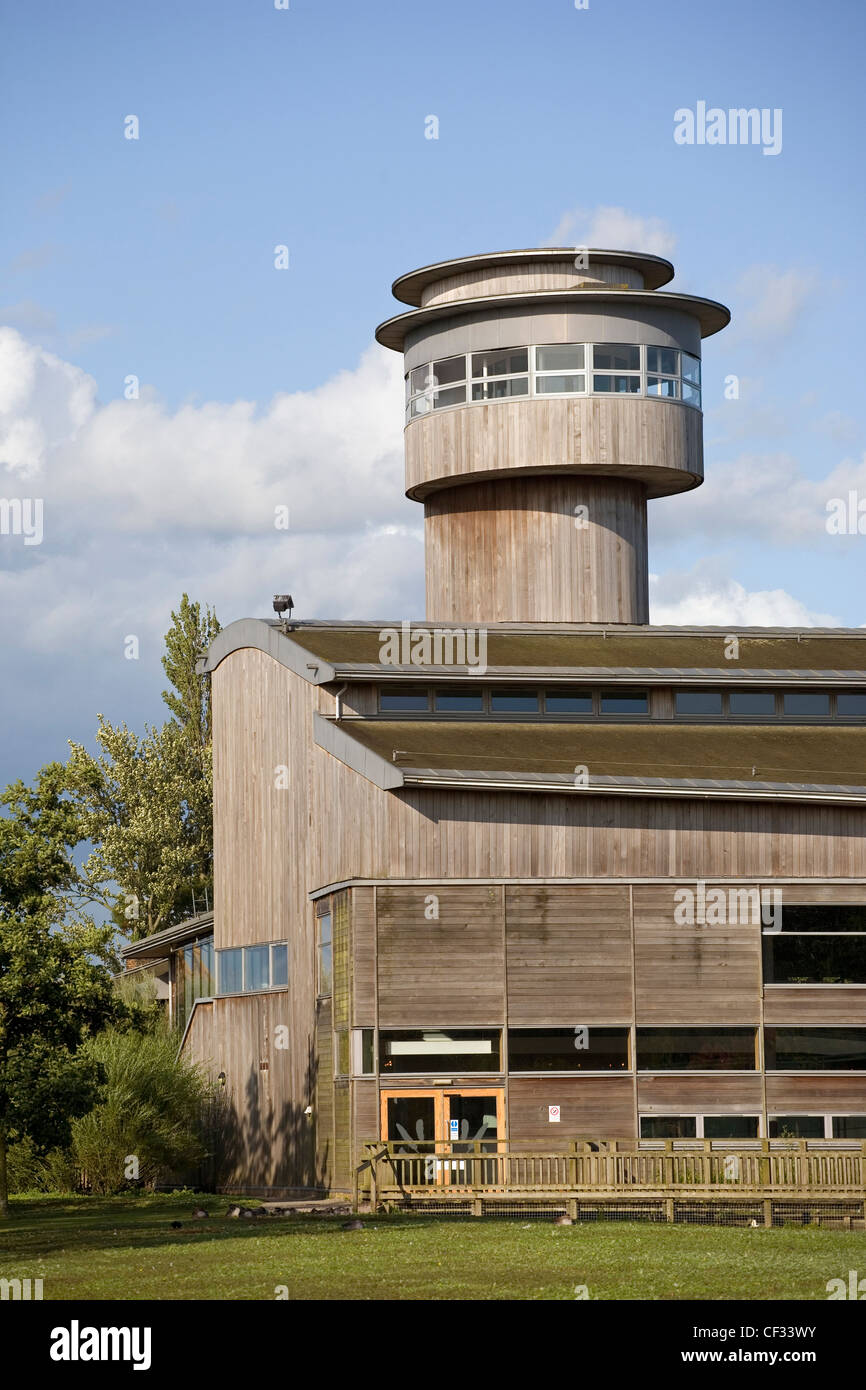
<point x="439" y="1094"/>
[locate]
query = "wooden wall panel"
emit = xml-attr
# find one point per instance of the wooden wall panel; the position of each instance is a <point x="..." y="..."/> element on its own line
<point x="692" y="974"/>
<point x="445" y="971"/>
<point x="324" y="1103"/>
<point x="342" y="1170"/>
<point x="365" y="1112"/>
<point x="799" y="1004"/>
<point x="363" y="957"/>
<point x="715" y="1095"/>
<point x="568" y="955"/>
<point x="590" y="1107"/>
<point x="792" y="1094"/>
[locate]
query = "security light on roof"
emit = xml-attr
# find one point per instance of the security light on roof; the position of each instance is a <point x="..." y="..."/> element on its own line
<point x="282" y="602"/>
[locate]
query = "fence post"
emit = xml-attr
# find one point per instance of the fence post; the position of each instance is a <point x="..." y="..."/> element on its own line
<point x="669" y="1208"/>
<point x="768" y="1211"/>
<point x="374" y="1184"/>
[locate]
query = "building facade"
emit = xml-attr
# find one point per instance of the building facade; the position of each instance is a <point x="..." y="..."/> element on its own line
<point x="533" y="870"/>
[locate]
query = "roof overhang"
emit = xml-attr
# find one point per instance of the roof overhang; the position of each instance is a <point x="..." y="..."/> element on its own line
<point x="409" y="288"/>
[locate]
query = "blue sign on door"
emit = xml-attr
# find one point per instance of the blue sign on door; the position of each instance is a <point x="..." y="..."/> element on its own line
<point x="455" y="1129"/>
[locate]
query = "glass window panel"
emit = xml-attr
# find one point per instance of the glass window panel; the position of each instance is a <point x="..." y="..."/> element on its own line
<point x="698" y="702"/>
<point x="514" y="701"/>
<point x="752" y="702"/>
<point x="498" y="389"/>
<point x="663" y="360"/>
<point x="325" y="928"/>
<point x="568" y="702"/>
<point x="568" y="1049"/>
<point x="815" y="1049"/>
<point x="691" y="394"/>
<point x="449" y="369"/>
<point x="824" y="917"/>
<point x="849" y="1126"/>
<point x="854" y="703"/>
<point x="807" y="702"/>
<point x="813" y="959"/>
<point x="421" y="405"/>
<point x="406" y="700"/>
<point x="207" y="973"/>
<point x="454" y="395"/>
<point x="257" y="967"/>
<point x="362" y="1051"/>
<point x="691" y="369"/>
<point x="624" y="702"/>
<point x="413" y="1120"/>
<point x="796" y="1126"/>
<point x="668" y="1126"/>
<point x="616" y="357"/>
<point x="559" y="385"/>
<point x="730" y="1126"/>
<point x="421" y="378"/>
<point x="230" y="971"/>
<point x="279" y="966"/>
<point x="503" y="362"/>
<point x="433" y="1050"/>
<point x="662" y="386"/>
<point x="620" y="385"/>
<point x="459" y="701"/>
<point x="696" y="1049"/>
<point x="568" y="357"/>
<point x="325" y="968"/>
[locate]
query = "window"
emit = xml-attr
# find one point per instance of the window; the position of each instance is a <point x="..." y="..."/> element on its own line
<point x="813" y="960"/>
<point x="616" y="357"/>
<point x="851" y="705"/>
<point x="824" y="917"/>
<point x="431" y="1050"/>
<point x="730" y="1126"/>
<point x="662" y="386"/>
<point x="362" y="1052"/>
<point x="432" y="387"/>
<point x="698" y="702"/>
<point x="691" y="369"/>
<point x="323" y="915"/>
<point x="249" y="969"/>
<point x="554" y="383"/>
<point x="568" y="1049"/>
<point x="752" y="702"/>
<point x="459" y="701"/>
<point x="624" y="702"/>
<point x="193" y="976"/>
<point x="620" y="385"/>
<point x="849" y="1127"/>
<point x="807" y="702"/>
<point x="403" y="701"/>
<point x="668" y="1127"/>
<point x="815" y="1049"/>
<point x="514" y="702"/>
<point x="796" y="1126"/>
<point x="494" y="374"/>
<point x="559" y="369"/>
<point x="665" y="361"/>
<point x="699" y="1126"/>
<point x="568" y="702"/>
<point x="496" y="389"/>
<point x="696" y="1049"/>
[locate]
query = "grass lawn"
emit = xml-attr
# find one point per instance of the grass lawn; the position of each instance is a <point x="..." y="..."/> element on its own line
<point x="124" y="1248"/>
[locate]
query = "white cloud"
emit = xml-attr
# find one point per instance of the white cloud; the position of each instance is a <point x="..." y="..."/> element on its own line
<point x="613" y="229"/>
<point x="773" y="300"/>
<point x="699" y="598"/>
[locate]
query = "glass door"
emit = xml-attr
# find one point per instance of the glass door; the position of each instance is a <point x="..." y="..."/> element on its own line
<point x="430" y="1131"/>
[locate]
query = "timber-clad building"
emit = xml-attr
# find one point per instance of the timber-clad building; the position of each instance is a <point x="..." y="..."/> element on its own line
<point x="532" y="870"/>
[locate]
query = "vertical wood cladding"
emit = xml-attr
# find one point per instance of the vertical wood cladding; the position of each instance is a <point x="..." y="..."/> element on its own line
<point x="692" y="973"/>
<point x="363" y="958"/>
<point x="324" y="1102"/>
<point x="342" y="960"/>
<point x="442" y="969"/>
<point x="590" y="1106"/>
<point x="568" y="954"/>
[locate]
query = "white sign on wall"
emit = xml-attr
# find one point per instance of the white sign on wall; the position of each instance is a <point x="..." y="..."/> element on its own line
<point x="553" y="1114"/>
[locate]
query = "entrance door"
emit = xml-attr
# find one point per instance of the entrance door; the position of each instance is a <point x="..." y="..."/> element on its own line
<point x="423" y="1126"/>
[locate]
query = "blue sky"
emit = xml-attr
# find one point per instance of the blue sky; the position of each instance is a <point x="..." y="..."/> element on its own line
<point x="305" y="127"/>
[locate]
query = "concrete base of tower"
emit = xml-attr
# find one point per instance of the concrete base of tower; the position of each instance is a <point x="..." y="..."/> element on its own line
<point x="542" y="549"/>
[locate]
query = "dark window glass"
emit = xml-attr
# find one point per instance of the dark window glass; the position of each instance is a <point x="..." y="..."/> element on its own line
<point x="568" y="1049"/>
<point x="815" y="1049"/>
<point x="668" y="1127"/>
<point x="624" y="702"/>
<point x="696" y="1049"/>
<point x="497" y="389"/>
<point x="449" y="369"/>
<point x="620" y="385"/>
<point x="814" y="960"/>
<point x="325" y="953"/>
<point x="691" y="368"/>
<point x="616" y="357"/>
<point x="257" y="967"/>
<point x="230" y="971"/>
<point x="851" y="703"/>
<point x="367" y="1052"/>
<point x="279" y="966"/>
<point x="453" y="395"/>
<point x="503" y="362"/>
<point x="730" y="1126"/>
<point x="698" y="702"/>
<point x="565" y="357"/>
<point x="664" y="360"/>
<point x="403" y="700"/>
<point x="459" y="701"/>
<point x="568" y="701"/>
<point x="438" y="1051"/>
<point x="796" y="1126"/>
<point x="849" y="1126"/>
<point x="752" y="702"/>
<point x="514" y="701"/>
<point x="824" y="917"/>
<point x="807" y="702"/>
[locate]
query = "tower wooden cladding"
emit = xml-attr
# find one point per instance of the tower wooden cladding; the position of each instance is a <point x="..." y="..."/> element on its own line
<point x="535" y="480"/>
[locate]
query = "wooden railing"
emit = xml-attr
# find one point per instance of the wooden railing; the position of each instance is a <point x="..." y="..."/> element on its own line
<point x="394" y="1171"/>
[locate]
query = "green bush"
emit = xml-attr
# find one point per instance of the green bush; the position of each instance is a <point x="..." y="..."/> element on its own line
<point x="148" y="1123"/>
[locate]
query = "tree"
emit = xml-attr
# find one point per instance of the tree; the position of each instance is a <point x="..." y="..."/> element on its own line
<point x="147" y="801"/>
<point x="54" y="988"/>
